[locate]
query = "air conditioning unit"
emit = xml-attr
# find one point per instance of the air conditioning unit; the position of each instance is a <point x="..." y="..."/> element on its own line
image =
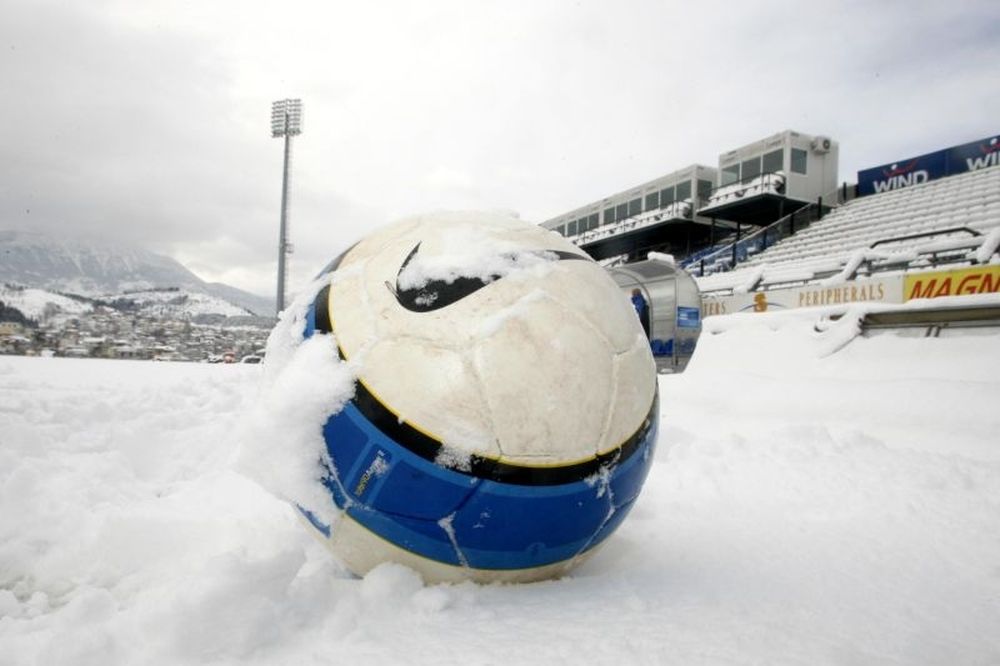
<point x="821" y="144"/>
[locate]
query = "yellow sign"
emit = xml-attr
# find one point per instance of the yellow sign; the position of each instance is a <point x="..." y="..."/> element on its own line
<point x="959" y="282"/>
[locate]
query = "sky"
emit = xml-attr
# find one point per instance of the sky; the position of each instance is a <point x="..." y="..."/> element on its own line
<point x="149" y="122"/>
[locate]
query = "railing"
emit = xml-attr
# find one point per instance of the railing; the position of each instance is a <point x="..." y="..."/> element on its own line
<point x="977" y="248"/>
<point x="694" y="257"/>
<point x="727" y="257"/>
<point x="926" y="234"/>
<point x="676" y="210"/>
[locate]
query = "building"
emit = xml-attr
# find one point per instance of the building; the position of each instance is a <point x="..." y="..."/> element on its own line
<point x="696" y="207"/>
<point x="765" y="180"/>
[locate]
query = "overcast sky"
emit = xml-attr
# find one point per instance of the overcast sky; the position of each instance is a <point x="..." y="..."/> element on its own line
<point x="150" y="121"/>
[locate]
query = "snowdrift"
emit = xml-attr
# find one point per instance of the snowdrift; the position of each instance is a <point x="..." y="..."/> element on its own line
<point x="817" y="497"/>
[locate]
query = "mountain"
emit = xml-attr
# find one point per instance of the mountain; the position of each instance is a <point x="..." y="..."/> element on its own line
<point x="98" y="269"/>
<point x="258" y="305"/>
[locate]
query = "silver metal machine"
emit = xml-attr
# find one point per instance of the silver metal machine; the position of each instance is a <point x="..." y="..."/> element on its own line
<point x="674" y="303"/>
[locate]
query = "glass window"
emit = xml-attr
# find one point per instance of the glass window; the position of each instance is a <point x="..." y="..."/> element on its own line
<point x="571" y="228"/>
<point x="751" y="168"/>
<point x="798" y="160"/>
<point x="592" y="222"/>
<point x="730" y="174"/>
<point x="635" y="207"/>
<point x="622" y="212"/>
<point x="684" y="190"/>
<point x="666" y="196"/>
<point x="652" y="201"/>
<point x="774" y="161"/>
<point x="704" y="189"/>
<point x="609" y="215"/>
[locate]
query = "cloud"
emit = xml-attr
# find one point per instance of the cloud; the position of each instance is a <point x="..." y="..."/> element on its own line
<point x="149" y="121"/>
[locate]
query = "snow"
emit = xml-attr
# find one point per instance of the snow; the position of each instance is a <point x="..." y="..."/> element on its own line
<point x="854" y="261"/>
<point x="817" y="497"/>
<point x="466" y="252"/>
<point x="766" y="183"/>
<point x="179" y="303"/>
<point x="674" y="211"/>
<point x="989" y="247"/>
<point x="662" y="256"/>
<point x="32" y="302"/>
<point x="753" y="278"/>
<point x="281" y="439"/>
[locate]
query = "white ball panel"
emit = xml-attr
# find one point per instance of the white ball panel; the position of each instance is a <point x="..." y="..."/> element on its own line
<point x="586" y="288"/>
<point x="635" y="386"/>
<point x="353" y="319"/>
<point x="548" y="386"/>
<point x="434" y="390"/>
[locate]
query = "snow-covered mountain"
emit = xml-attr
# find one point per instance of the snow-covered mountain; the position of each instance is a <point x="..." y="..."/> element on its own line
<point x="166" y="303"/>
<point x="101" y="269"/>
<point x="36" y="303"/>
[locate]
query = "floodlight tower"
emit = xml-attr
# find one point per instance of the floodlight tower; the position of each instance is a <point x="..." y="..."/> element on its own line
<point x="286" y="121"/>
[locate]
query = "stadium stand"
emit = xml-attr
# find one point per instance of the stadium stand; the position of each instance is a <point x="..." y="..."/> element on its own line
<point x="950" y="221"/>
<point x="776" y="229"/>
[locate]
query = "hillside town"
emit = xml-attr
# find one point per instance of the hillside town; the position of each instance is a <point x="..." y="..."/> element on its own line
<point x="109" y="332"/>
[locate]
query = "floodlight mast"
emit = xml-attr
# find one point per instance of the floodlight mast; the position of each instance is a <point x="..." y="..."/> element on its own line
<point x="286" y="122"/>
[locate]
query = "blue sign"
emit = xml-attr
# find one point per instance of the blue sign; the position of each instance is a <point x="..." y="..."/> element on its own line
<point x="904" y="173"/>
<point x="688" y="317"/>
<point x="915" y="170"/>
<point x="975" y="155"/>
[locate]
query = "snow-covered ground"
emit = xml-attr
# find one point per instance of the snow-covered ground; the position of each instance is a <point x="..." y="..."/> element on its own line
<point x="811" y="503"/>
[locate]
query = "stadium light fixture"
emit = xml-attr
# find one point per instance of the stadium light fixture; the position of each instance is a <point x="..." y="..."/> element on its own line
<point x="286" y="122"/>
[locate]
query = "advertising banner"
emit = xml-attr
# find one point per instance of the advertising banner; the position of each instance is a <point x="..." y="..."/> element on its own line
<point x="973" y="156"/>
<point x="892" y="289"/>
<point x="915" y="170"/>
<point x="904" y="173"/>
<point x="876" y="290"/>
<point x="957" y="282"/>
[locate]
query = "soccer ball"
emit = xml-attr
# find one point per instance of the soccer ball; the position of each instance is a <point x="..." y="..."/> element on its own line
<point x="505" y="408"/>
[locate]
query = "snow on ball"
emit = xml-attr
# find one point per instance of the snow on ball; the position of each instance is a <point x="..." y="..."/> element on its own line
<point x="504" y="410"/>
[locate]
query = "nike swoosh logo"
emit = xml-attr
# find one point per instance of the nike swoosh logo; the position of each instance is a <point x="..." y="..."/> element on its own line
<point x="437" y="294"/>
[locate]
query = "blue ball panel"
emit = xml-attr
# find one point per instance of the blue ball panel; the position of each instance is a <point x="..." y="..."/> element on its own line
<point x="403" y="498"/>
<point x="612" y="523"/>
<point x="352" y="438"/>
<point x="378" y="473"/>
<point x="629" y="476"/>
<point x="310" y="327"/>
<point x="501" y="516"/>
<point x="515" y="527"/>
<point x="420" y="495"/>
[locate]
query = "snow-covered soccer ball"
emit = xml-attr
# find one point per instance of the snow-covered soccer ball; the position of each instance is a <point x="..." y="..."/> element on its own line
<point x="505" y="408"/>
